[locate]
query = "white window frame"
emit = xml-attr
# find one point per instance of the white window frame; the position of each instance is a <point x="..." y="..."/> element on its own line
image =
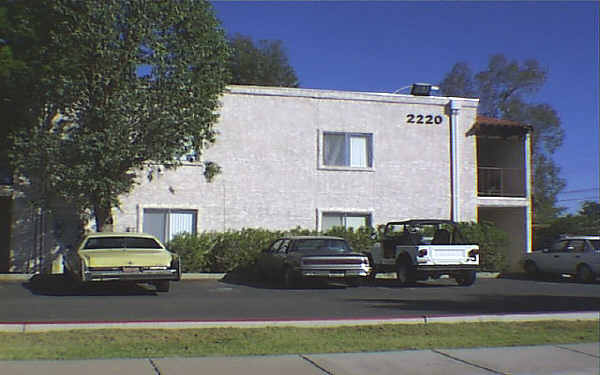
<point x="141" y="207"/>
<point x="348" y="156"/>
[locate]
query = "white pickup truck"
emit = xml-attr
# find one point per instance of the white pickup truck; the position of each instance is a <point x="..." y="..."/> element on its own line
<point x="420" y="249"/>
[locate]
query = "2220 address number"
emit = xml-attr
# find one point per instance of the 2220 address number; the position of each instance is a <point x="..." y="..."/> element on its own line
<point x="424" y="119"/>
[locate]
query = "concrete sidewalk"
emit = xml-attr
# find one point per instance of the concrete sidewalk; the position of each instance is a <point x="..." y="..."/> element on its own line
<point x="572" y="359"/>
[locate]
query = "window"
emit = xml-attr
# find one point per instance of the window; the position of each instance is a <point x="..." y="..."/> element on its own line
<point x="346" y="220"/>
<point x="166" y="224"/>
<point x="348" y="150"/>
<point x="121" y="243"/>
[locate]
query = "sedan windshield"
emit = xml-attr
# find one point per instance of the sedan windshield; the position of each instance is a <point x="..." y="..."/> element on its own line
<point x="322" y="244"/>
<point x="595" y="244"/>
<point x="121" y="243"/>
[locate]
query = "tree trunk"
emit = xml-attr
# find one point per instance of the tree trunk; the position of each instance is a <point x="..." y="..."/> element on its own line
<point x="104" y="219"/>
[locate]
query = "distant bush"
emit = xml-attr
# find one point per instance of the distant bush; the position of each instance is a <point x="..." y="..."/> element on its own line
<point x="238" y="249"/>
<point x="492" y="244"/>
<point x="221" y="251"/>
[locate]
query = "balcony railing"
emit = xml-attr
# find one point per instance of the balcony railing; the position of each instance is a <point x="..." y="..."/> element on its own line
<point x="500" y="182"/>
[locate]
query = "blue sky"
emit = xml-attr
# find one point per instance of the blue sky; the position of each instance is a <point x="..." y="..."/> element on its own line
<point x="383" y="46"/>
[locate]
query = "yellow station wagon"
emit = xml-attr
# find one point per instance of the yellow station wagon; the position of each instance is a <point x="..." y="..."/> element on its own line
<point x="135" y="257"/>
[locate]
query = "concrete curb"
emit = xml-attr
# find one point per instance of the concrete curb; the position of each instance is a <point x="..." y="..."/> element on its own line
<point x="65" y="326"/>
<point x="213" y="276"/>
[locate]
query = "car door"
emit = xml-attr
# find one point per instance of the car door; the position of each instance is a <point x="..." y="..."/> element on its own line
<point x="572" y="256"/>
<point x="266" y="260"/>
<point x="550" y="261"/>
<point x="280" y="256"/>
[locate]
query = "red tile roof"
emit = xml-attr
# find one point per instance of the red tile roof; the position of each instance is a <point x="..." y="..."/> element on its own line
<point x="492" y="126"/>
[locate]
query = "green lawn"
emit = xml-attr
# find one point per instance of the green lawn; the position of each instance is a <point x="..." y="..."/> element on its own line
<point x="117" y="343"/>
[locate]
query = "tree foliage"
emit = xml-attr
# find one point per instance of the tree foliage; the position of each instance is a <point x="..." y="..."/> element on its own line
<point x="585" y="222"/>
<point x="117" y="84"/>
<point x="503" y="89"/>
<point x="261" y="64"/>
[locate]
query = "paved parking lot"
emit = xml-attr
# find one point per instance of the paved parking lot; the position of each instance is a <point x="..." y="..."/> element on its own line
<point x="47" y="299"/>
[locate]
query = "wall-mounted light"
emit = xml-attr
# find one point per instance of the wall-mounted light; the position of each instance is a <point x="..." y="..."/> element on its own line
<point x="422" y="89"/>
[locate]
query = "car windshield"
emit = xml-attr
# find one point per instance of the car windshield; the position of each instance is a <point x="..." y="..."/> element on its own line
<point x="121" y="243"/>
<point x="322" y="244"/>
<point x="595" y="244"/>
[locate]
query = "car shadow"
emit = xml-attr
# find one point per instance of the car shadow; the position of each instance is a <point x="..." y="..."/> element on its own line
<point x="487" y="304"/>
<point x="59" y="285"/>
<point x="545" y="277"/>
<point x="249" y="277"/>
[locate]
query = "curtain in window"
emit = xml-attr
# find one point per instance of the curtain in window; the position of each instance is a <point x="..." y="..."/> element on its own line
<point x="180" y="222"/>
<point x="358" y="151"/>
<point x="334" y="149"/>
<point x="332" y="220"/>
<point x="356" y="221"/>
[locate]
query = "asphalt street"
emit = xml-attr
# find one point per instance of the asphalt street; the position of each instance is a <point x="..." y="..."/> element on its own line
<point x="48" y="299"/>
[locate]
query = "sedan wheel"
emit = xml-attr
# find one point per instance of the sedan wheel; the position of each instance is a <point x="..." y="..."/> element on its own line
<point x="585" y="274"/>
<point x="162" y="286"/>
<point x="531" y="268"/>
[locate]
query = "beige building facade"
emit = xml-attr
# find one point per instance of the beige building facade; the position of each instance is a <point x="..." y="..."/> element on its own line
<point x="319" y="158"/>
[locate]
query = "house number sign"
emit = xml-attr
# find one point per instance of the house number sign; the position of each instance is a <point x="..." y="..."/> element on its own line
<point x="412" y="118"/>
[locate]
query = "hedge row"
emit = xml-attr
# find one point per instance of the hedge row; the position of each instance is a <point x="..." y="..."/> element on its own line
<point x="237" y="249"/>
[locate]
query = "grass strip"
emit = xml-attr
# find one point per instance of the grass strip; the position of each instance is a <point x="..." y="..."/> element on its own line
<point x="138" y="343"/>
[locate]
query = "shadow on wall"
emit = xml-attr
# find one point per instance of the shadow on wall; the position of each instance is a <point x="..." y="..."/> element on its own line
<point x="37" y="237"/>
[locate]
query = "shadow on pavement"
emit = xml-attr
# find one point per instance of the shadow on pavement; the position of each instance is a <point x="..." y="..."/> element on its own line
<point x="59" y="285"/>
<point x="249" y="277"/>
<point x="488" y="304"/>
<point x="544" y="277"/>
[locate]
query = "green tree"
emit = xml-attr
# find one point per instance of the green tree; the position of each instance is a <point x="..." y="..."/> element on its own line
<point x="261" y="64"/>
<point x="23" y="31"/>
<point x="123" y="84"/>
<point x="503" y="88"/>
<point x="591" y="210"/>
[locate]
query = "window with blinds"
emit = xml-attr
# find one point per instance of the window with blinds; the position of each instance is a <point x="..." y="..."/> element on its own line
<point x="165" y="224"/>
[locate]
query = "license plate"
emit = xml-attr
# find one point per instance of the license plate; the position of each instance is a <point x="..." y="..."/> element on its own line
<point x="131" y="269"/>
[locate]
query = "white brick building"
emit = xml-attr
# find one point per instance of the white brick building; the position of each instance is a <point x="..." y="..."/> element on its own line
<point x="316" y="158"/>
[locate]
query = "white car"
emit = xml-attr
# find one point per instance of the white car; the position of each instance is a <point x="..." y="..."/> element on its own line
<point x="573" y="255"/>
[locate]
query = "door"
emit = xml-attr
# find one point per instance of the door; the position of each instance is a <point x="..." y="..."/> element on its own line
<point x="572" y="257"/>
<point x="551" y="261"/>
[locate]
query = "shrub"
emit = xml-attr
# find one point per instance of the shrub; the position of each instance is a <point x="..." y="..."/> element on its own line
<point x="238" y="249"/>
<point x="491" y="242"/>
<point x="360" y="240"/>
<point x="193" y="250"/>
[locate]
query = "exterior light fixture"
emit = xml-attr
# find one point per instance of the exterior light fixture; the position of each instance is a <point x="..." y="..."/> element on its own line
<point x="422" y="89"/>
<point x="419" y="89"/>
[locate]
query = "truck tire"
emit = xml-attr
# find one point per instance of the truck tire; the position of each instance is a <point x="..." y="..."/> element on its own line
<point x="405" y="273"/>
<point x="465" y="278"/>
<point x="585" y="274"/>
